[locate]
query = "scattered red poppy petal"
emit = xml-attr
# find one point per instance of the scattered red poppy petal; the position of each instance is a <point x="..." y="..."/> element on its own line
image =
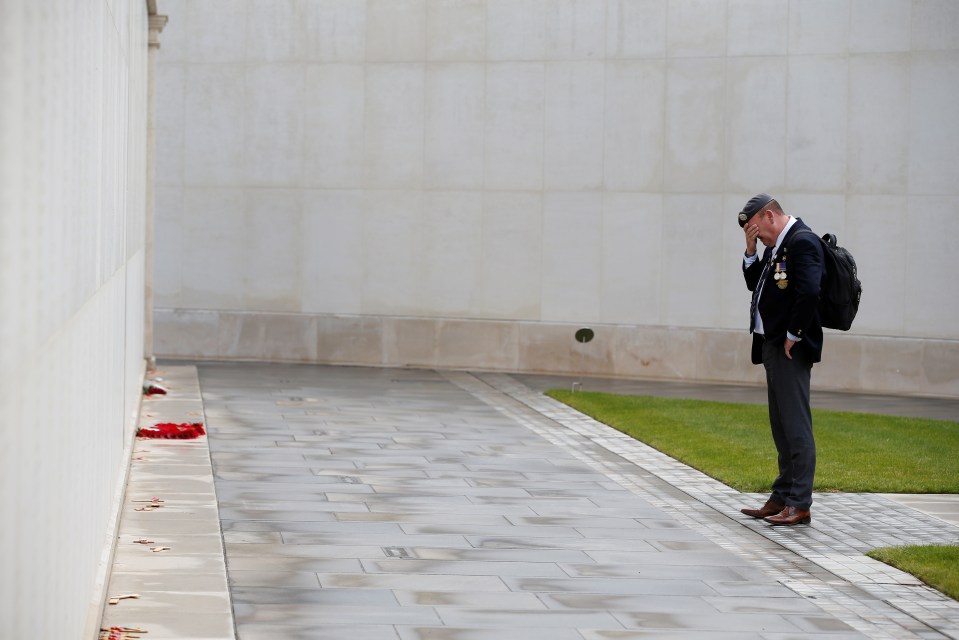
<point x="151" y="389"/>
<point x="170" y="430"/>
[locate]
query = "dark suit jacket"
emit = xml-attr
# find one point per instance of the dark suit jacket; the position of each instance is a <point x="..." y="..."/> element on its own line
<point x="793" y="309"/>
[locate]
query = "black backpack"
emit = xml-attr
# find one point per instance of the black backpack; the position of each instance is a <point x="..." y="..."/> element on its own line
<point x="841" y="289"/>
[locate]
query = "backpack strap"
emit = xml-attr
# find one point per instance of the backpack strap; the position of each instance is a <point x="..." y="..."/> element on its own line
<point x="811" y="233"/>
<point x="828" y="240"/>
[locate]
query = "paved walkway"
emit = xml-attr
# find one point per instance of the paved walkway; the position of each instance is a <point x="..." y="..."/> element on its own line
<point x="413" y="504"/>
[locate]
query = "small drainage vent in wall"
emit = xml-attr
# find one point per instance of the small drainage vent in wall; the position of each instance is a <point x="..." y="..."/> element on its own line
<point x="396" y="552"/>
<point x="582" y="336"/>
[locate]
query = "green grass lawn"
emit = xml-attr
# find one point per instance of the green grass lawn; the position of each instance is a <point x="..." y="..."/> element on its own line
<point x="937" y="566"/>
<point x="855" y="452"/>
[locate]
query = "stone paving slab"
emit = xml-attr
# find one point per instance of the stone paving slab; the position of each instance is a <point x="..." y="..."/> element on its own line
<point x="182" y="587"/>
<point x="484" y="528"/>
<point x="942" y="507"/>
<point x="823" y="561"/>
<point x="411" y="505"/>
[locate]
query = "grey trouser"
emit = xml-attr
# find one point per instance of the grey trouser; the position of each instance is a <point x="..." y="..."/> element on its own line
<point x="787" y="383"/>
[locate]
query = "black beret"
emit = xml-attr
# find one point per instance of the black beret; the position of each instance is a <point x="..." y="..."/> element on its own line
<point x="755" y="204"/>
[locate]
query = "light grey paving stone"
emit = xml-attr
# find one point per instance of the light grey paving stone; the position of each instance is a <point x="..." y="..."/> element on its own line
<point x="618" y="586"/>
<point x="173" y="625"/>
<point x="171" y="564"/>
<point x="289" y="444"/>
<point x="174" y="500"/>
<point x="368" y="475"/>
<point x="501" y="555"/>
<point x="249" y="462"/>
<point x="599" y="493"/>
<point x="147" y="581"/>
<point x="170" y="603"/>
<point x="170" y="506"/>
<point x="473" y="633"/>
<point x="368" y="459"/>
<point x="555" y="483"/>
<point x="719" y="499"/>
<point x="262" y="537"/>
<point x="267" y="631"/>
<point x="142" y="512"/>
<point x="496" y="451"/>
<point x="583" y="544"/>
<point x="372" y="499"/>
<point x="157" y="526"/>
<point x="463" y="567"/>
<point x="762" y="604"/>
<point x="543" y="467"/>
<point x="540" y="505"/>
<point x="268" y="475"/>
<point x="804" y="635"/>
<point x="230" y="443"/>
<point x="302" y="615"/>
<point x="460" y="617"/>
<point x="531" y="532"/>
<point x="944" y="507"/>
<point x="313" y="488"/>
<point x="179" y="486"/>
<point x="248" y="514"/>
<point x="668" y="538"/>
<point x="292" y="565"/>
<point x="415" y="582"/>
<point x="265" y="595"/>
<point x="278" y="551"/>
<point x="641" y="511"/>
<point x="429" y="518"/>
<point x="305" y="537"/>
<point x="443" y="488"/>
<point x="387" y="484"/>
<point x="387" y="467"/>
<point x="681" y="545"/>
<point x="819" y="624"/>
<point x="243" y="576"/>
<point x="759" y="589"/>
<point x="320" y="521"/>
<point x="655" y="603"/>
<point x="605" y="523"/>
<point x="664" y="571"/>
<point x="168" y="470"/>
<point x="705" y="621"/>
<point x="316" y="503"/>
<point x="665" y="634"/>
<point x="455" y="510"/>
<point x="470" y="600"/>
<point x="454" y="471"/>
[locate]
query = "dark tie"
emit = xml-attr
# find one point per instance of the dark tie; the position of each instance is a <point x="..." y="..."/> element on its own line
<point x="759" y="288"/>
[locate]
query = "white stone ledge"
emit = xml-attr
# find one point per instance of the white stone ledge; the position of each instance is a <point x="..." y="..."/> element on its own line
<point x="867" y="364"/>
<point x="183" y="590"/>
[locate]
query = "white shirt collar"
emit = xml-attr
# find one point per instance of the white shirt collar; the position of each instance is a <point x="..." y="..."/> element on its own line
<point x="782" y="234"/>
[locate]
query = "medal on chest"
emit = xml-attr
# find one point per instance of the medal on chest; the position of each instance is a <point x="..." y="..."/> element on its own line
<point x="779" y="275"/>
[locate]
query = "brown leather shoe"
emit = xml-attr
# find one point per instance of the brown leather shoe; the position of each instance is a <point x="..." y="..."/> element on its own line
<point x="790" y="516"/>
<point x="768" y="509"/>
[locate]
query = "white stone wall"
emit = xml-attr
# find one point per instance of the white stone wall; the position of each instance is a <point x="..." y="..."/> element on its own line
<point x="72" y="175"/>
<point x="360" y="163"/>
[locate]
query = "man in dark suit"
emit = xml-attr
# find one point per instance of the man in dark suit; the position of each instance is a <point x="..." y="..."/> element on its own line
<point x="787" y="340"/>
